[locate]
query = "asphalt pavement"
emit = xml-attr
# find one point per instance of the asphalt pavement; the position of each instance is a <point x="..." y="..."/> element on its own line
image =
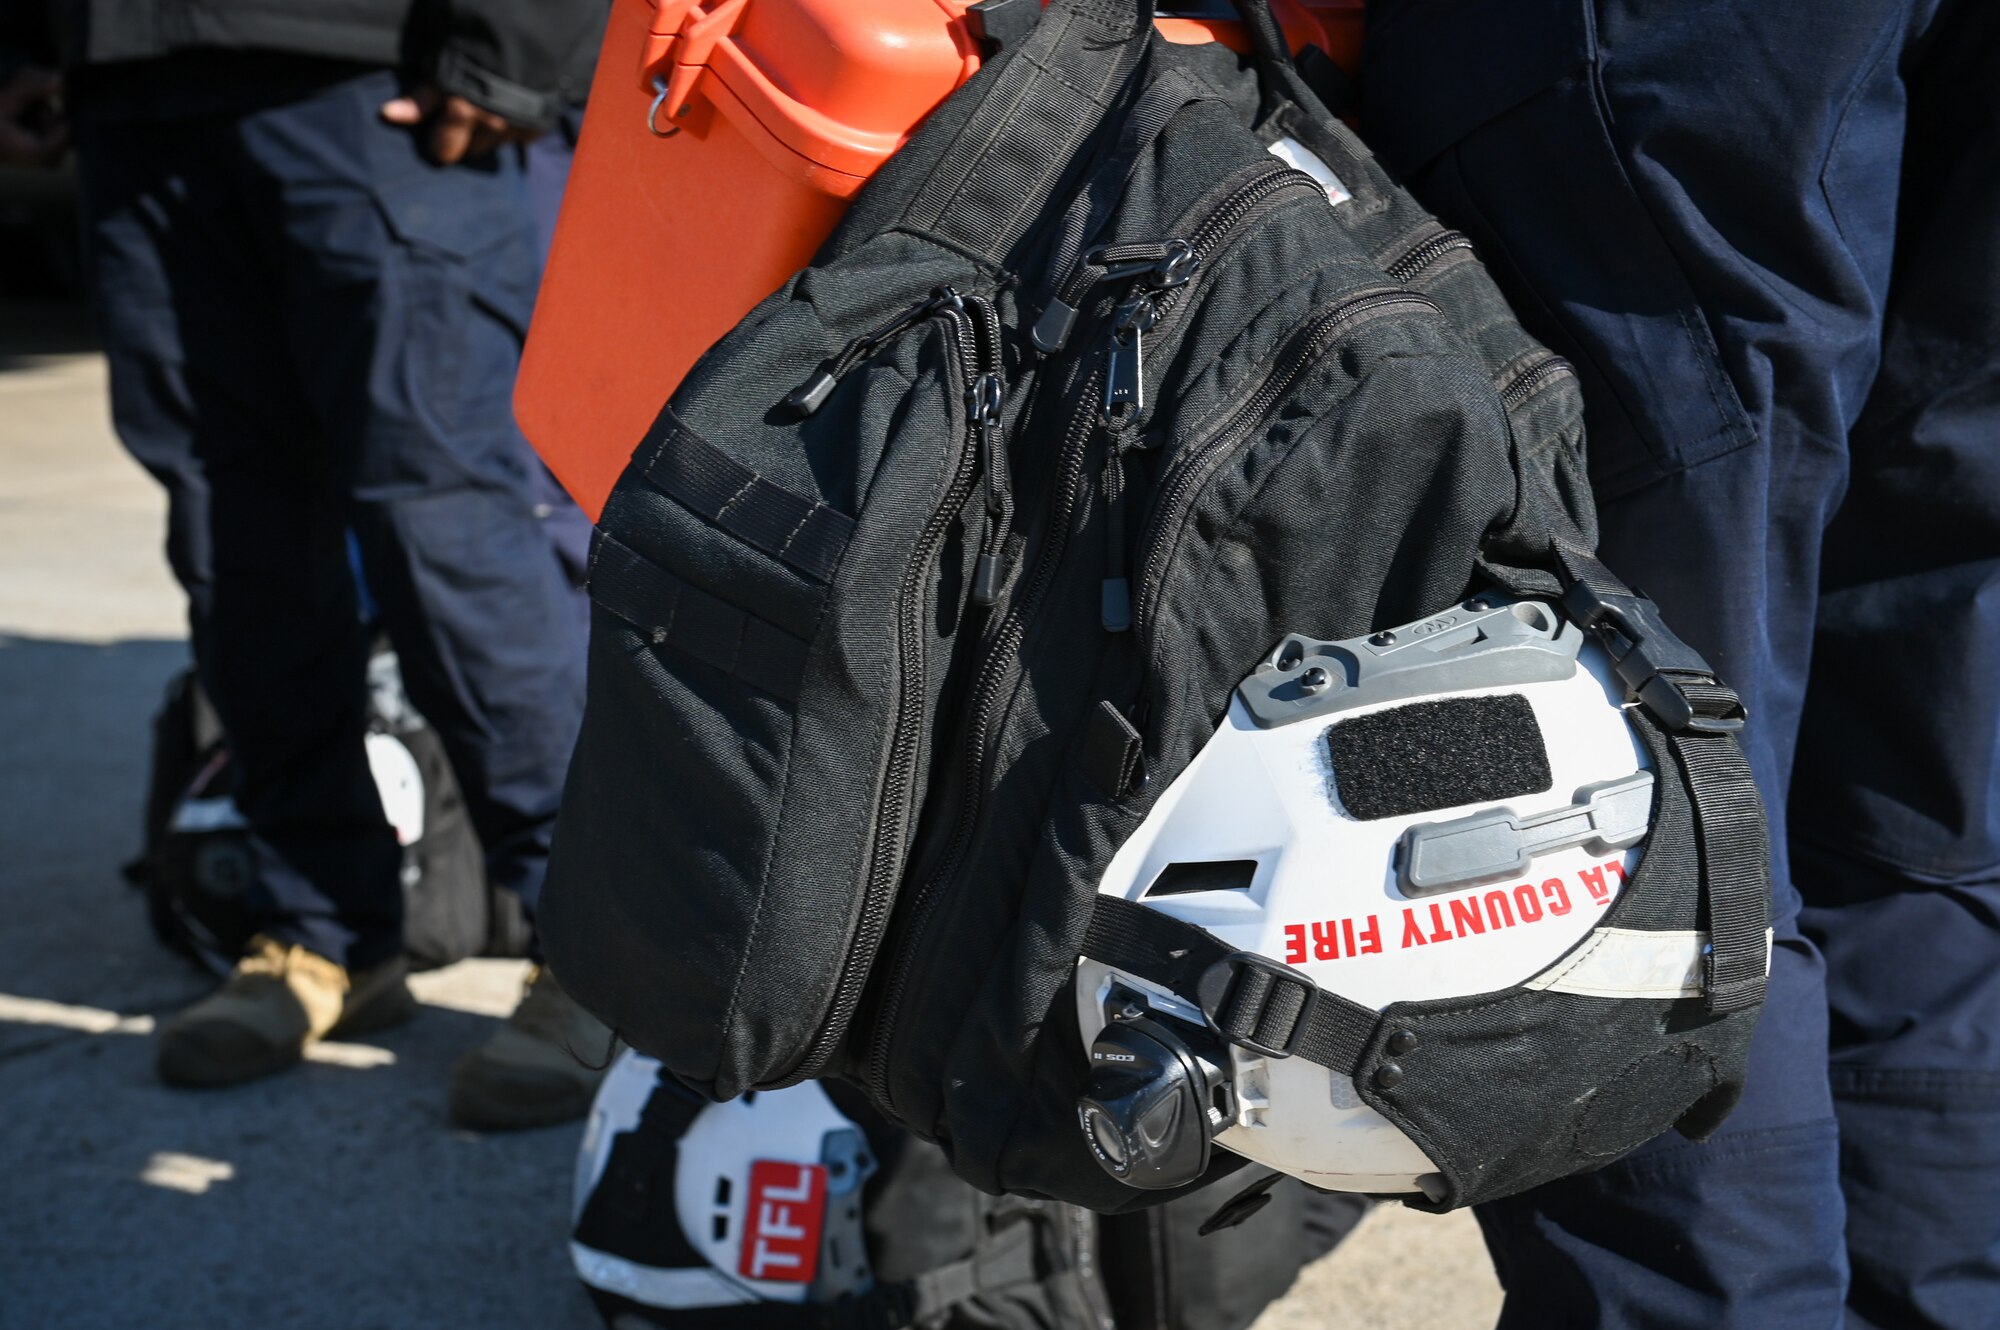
<point x="336" y="1196"/>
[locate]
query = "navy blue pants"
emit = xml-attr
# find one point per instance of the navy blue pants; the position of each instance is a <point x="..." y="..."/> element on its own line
<point x="1769" y="237"/>
<point x="312" y="330"/>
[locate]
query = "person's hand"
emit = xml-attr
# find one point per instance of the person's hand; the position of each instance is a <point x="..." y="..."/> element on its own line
<point x="33" y="131"/>
<point x="459" y="128"/>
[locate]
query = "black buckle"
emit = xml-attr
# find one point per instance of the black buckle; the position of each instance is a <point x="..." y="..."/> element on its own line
<point x="1655" y="665"/>
<point x="1221" y="980"/>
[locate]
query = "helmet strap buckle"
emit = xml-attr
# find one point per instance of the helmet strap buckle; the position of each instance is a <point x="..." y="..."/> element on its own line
<point x="1257" y="1003"/>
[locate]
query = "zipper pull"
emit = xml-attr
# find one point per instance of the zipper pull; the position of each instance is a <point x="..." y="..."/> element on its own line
<point x="1159" y="267"/>
<point x="811" y="395"/>
<point x="983" y="402"/>
<point x="1114" y="606"/>
<point x="1053" y="328"/>
<point x="1124" y="378"/>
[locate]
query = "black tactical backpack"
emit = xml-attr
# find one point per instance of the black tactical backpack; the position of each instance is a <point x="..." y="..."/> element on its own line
<point x="943" y="564"/>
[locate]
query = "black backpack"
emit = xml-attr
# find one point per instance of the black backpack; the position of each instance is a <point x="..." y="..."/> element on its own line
<point x="946" y="1256"/>
<point x="944" y="563"/>
<point x="195" y="867"/>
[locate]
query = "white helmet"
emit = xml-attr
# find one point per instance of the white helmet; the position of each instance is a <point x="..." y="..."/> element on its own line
<point x="682" y="1204"/>
<point x="1439" y="810"/>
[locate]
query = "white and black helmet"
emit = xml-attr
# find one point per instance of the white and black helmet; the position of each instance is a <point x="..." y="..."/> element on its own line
<point x="1382" y="835"/>
<point x="683" y="1206"/>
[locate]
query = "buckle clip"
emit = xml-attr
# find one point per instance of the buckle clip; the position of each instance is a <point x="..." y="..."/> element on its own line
<point x="1654" y="664"/>
<point x="1223" y="985"/>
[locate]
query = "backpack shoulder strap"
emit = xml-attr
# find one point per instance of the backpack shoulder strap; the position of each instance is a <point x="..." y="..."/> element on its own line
<point x="1042" y="101"/>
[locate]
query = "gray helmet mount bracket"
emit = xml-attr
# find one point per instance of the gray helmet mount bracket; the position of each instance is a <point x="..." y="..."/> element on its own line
<point x="1489" y="639"/>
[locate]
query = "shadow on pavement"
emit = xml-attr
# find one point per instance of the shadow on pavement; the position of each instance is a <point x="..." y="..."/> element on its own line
<point x="335" y="1195"/>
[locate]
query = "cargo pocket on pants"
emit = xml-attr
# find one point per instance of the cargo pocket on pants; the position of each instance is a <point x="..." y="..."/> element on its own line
<point x="1496" y="121"/>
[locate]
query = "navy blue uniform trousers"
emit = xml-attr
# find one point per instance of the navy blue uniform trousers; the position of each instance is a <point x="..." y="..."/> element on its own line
<point x="1769" y="236"/>
<point x="312" y="329"/>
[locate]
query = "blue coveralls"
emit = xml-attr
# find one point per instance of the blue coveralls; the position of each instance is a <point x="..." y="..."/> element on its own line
<point x="312" y="329"/>
<point x="1769" y="236"/>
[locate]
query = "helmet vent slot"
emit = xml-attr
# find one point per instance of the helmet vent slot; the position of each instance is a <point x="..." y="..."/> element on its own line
<point x="1442" y="754"/>
<point x="1217" y="875"/>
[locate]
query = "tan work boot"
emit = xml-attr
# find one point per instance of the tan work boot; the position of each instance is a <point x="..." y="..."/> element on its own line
<point x="280" y="999"/>
<point x="532" y="1072"/>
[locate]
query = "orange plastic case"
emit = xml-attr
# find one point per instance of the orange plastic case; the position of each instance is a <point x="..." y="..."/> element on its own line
<point x="721" y="144"/>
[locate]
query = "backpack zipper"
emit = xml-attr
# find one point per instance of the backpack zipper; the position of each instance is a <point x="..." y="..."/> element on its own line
<point x="1169" y="263"/>
<point x="972" y="328"/>
<point x="1190" y="468"/>
<point x="1535" y="376"/>
<point x="1243" y="206"/>
<point x="1138" y="314"/>
<point x="1428" y="253"/>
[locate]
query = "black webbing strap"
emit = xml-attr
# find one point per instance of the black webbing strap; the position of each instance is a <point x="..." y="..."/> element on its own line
<point x="674" y="613"/>
<point x="1002" y="1260"/>
<point x="994" y="181"/>
<point x="1735" y="866"/>
<point x="802" y="532"/>
<point x="1700" y="717"/>
<point x="637" y="1171"/>
<point x="1256" y="1003"/>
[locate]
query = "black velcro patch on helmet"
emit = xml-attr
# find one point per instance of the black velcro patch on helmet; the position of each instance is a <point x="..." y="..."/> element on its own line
<point x="1432" y="755"/>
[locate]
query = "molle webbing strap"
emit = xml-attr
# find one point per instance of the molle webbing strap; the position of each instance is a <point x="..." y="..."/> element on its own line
<point x="674" y="613"/>
<point x="1668" y="676"/>
<point x="801" y="532"/>
<point x="1735" y="869"/>
<point x="1263" y="1007"/>
<point x="1052" y="92"/>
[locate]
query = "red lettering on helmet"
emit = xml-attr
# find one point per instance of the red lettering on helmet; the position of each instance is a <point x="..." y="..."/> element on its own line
<point x="1295" y="944"/>
<point x="1499" y="912"/>
<point x="1413" y="933"/>
<point x="1465" y="916"/>
<point x="783" y="1221"/>
<point x="1558" y="895"/>
<point x="1371" y="937"/>
<point x="1439" y="933"/>
<point x="1616" y="867"/>
<point x="1593" y="882"/>
<point x="1326" y="942"/>
<point x="1527" y="904"/>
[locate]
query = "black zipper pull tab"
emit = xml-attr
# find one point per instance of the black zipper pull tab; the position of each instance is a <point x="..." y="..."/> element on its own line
<point x="983" y="402"/>
<point x="811" y="395"/>
<point x="1124" y="377"/>
<point x="1115" y="599"/>
<point x="1159" y="267"/>
<point x="1052" y="329"/>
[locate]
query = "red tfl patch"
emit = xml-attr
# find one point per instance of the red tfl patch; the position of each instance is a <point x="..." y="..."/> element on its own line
<point x="781" y="1231"/>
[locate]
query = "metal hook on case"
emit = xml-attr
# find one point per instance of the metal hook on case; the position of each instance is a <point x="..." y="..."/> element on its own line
<point x="653" y="112"/>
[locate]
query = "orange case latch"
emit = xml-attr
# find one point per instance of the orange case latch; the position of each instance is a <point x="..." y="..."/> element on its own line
<point x="677" y="50"/>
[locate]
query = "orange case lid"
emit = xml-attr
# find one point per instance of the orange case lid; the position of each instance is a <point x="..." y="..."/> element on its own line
<point x="722" y="141"/>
